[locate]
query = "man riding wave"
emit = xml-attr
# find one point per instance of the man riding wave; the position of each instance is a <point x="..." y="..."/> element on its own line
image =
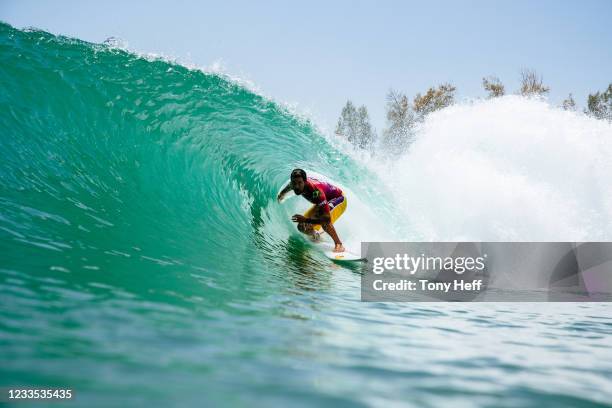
<point x="329" y="204"/>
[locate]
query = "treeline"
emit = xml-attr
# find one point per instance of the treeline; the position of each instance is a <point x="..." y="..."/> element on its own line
<point x="403" y="114"/>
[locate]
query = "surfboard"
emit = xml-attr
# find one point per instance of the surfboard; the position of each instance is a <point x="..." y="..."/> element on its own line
<point x="348" y="255"/>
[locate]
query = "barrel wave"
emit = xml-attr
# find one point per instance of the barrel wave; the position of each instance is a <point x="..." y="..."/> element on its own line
<point x="137" y="190"/>
<point x="113" y="160"/>
<point x="144" y="259"/>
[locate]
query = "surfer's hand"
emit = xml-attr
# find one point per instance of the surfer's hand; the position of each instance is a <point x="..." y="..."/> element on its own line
<point x="279" y="198"/>
<point x="338" y="248"/>
<point x="299" y="218"/>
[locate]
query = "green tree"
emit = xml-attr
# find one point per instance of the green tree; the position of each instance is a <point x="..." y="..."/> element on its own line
<point x="493" y="86"/>
<point x="599" y="104"/>
<point x="569" y="103"/>
<point x="532" y="84"/>
<point x="347" y="123"/>
<point x="366" y="134"/>
<point x="433" y="100"/>
<point x="400" y="119"/>
<point x="354" y="124"/>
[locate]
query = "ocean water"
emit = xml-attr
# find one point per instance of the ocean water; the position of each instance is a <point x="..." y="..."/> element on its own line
<point x="145" y="261"/>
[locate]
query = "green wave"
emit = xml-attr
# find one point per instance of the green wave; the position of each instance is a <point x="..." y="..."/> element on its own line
<point x="115" y="164"/>
<point x="144" y="260"/>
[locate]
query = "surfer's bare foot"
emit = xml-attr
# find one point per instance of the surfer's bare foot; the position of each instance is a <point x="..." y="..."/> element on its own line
<point x="338" y="248"/>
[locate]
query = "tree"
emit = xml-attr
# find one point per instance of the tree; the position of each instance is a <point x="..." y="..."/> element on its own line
<point x="493" y="86"/>
<point x="354" y="124"/>
<point x="400" y="119"/>
<point x="531" y="84"/>
<point x="365" y="133"/>
<point x="599" y="105"/>
<point x="434" y="99"/>
<point x="347" y="123"/>
<point x="569" y="103"/>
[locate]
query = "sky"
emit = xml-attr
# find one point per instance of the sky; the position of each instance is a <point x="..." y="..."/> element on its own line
<point x="318" y="54"/>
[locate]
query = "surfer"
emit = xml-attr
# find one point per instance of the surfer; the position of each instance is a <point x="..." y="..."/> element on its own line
<point x="329" y="204"/>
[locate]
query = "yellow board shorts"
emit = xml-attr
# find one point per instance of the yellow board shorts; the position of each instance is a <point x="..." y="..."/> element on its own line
<point x="338" y="205"/>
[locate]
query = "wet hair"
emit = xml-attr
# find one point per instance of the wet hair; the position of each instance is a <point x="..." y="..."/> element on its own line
<point x="298" y="173"/>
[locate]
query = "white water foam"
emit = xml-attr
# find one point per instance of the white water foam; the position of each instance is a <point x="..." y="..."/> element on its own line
<point x="507" y="169"/>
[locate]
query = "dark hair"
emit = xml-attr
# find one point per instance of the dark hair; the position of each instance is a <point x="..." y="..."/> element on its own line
<point x="298" y="173"/>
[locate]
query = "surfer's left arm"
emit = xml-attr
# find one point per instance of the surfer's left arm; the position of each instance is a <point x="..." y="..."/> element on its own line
<point x="324" y="218"/>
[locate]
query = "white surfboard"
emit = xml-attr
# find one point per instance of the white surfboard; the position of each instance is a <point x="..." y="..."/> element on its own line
<point x="348" y="255"/>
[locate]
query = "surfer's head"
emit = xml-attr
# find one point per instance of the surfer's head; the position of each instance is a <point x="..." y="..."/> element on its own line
<point x="298" y="180"/>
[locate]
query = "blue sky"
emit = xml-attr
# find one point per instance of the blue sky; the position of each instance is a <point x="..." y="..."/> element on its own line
<point x="319" y="53"/>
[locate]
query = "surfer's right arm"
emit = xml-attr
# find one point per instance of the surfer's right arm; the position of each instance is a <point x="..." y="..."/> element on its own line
<point x="284" y="191"/>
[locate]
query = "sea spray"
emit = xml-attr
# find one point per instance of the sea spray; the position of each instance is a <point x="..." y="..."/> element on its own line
<point x="505" y="169"/>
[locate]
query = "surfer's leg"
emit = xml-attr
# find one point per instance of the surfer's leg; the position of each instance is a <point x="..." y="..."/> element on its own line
<point x="305" y="228"/>
<point x="338" y="205"/>
<point x="308" y="229"/>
